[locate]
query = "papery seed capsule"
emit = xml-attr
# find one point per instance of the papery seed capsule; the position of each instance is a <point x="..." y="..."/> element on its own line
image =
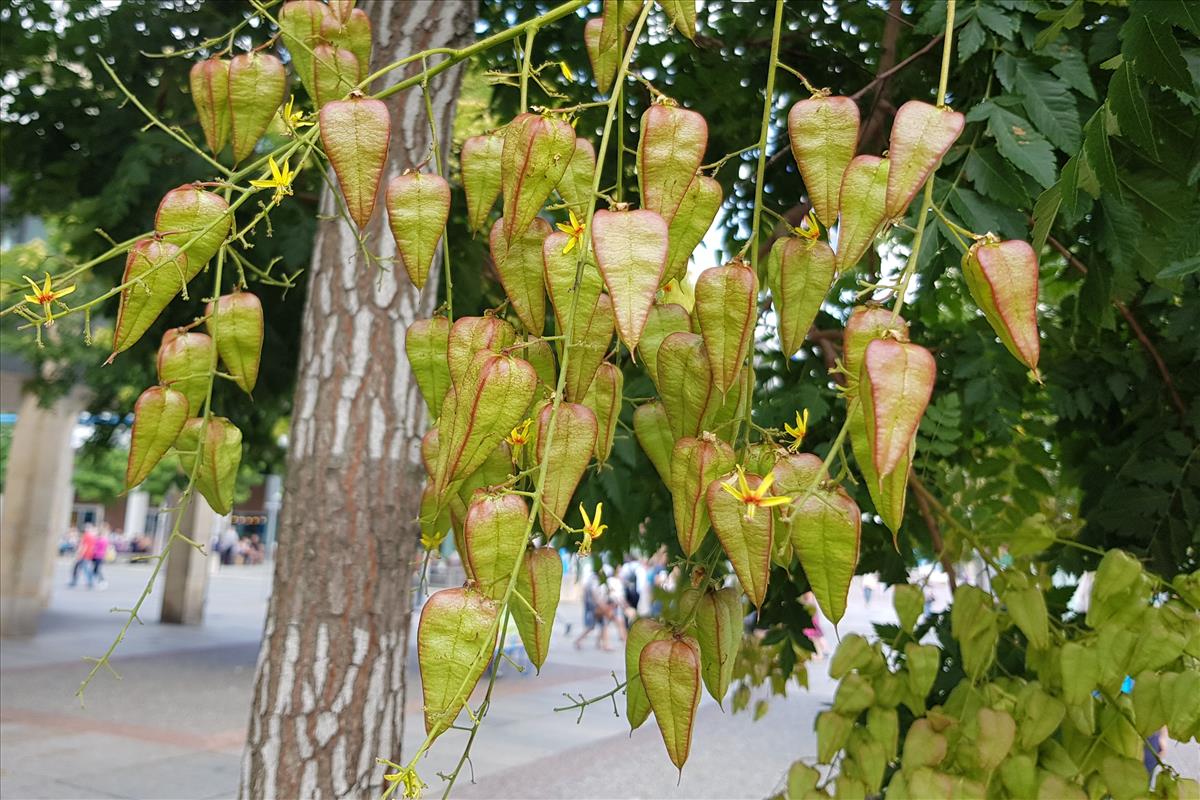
<point x="631" y="251"/>
<point x="569" y="452"/>
<point x="495" y="539"/>
<point x="220" y="454"/>
<point x="727" y="308"/>
<point x="799" y="274"/>
<point x="824" y="135"/>
<point x="418" y="206"/>
<point x="455" y="638"/>
<point x="300" y="26"/>
<point x="155" y="272"/>
<point x="670" y="673"/>
<point x="895" y="385"/>
<point x="921" y="135"/>
<point x="521" y="269"/>
<point x="335" y="73"/>
<point x="1003" y="279"/>
<point x="257" y="82"/>
<point x="351" y="31"/>
<point x="158" y="417"/>
<point x="480" y="164"/>
<point x="184" y="360"/>
<point x="670" y="151"/>
<point x="604" y="61"/>
<point x="192" y="217"/>
<point x="236" y="325"/>
<point x="536" y="153"/>
<point x="863" y="208"/>
<point x="356" y="133"/>
<point x="209" y="82"/>
<point x="746" y="540"/>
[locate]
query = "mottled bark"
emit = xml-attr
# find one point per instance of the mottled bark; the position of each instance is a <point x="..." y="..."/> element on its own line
<point x="329" y="686"/>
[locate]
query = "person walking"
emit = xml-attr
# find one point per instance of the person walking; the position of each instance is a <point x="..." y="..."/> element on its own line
<point x="597" y="609"/>
<point x="83" y="555"/>
<point x="99" y="554"/>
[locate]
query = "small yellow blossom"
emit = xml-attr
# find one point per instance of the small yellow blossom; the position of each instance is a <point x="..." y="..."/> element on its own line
<point x="809" y="228"/>
<point x="757" y="497"/>
<point x="279" y="179"/>
<point x="46" y="295"/>
<point x="410" y="783"/>
<point x="592" y="528"/>
<point x="566" y="71"/>
<point x="293" y="117"/>
<point x="797" y="431"/>
<point x="573" y="229"/>
<point x="519" y="435"/>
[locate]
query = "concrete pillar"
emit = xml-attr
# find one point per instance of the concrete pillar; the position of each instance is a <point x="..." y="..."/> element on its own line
<point x="137" y="505"/>
<point x="37" y="507"/>
<point x="185" y="585"/>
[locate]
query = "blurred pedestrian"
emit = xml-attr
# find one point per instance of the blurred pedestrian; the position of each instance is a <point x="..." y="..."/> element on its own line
<point x="83" y="555"/>
<point x="597" y="609"/>
<point x="99" y="555"/>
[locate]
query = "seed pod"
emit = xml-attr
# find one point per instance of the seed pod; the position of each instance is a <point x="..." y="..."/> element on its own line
<point x="183" y="363"/>
<point x="719" y="632"/>
<point x="335" y="73"/>
<point x="604" y="62"/>
<point x="591" y="338"/>
<point x="480" y="165"/>
<point x="492" y="472"/>
<point x="568" y="456"/>
<point x="209" y="82"/>
<point x="494" y="535"/>
<point x="236" y="325"/>
<point x="350" y="31"/>
<point x="888" y="494"/>
<point x="616" y="16"/>
<point x="160" y="270"/>
<point x="747" y="541"/>
<point x="418" y="206"/>
<point x="188" y="213"/>
<point x="695" y="464"/>
<point x="341" y="10"/>
<point x="682" y="14"/>
<point x="833" y="731"/>
<point x="653" y="433"/>
<point x="220" y="455"/>
<point x="355" y="133"/>
<point x="436" y="520"/>
<point x="863" y="208"/>
<point x="300" y="24"/>
<point x="824" y="136"/>
<point x="631" y="252"/>
<point x="662" y="320"/>
<point x="670" y="151"/>
<point x="865" y="325"/>
<point x="670" y="673"/>
<point x="727" y="307"/>
<point x="539" y="582"/>
<point x="795" y="475"/>
<point x="158" y="417"/>
<point x="559" y="269"/>
<point x="921" y="135"/>
<point x="895" y="385"/>
<point x="643" y="631"/>
<point x="687" y="229"/>
<point x="725" y="414"/>
<point x="576" y="184"/>
<point x="256" y="87"/>
<point x="799" y="274"/>
<point x="470" y="336"/>
<point x="909" y="602"/>
<point x="826" y="534"/>
<point x="604" y="399"/>
<point x="426" y="343"/>
<point x="685" y="382"/>
<point x="1027" y="606"/>
<point x="536" y="153"/>
<point x="521" y="268"/>
<point x="1003" y="279"/>
<point x="497" y="393"/>
<point x="455" y="638"/>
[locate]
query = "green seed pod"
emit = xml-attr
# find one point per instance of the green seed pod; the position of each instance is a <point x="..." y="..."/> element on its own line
<point x="896" y="383"/>
<point x="691" y="223"/>
<point x="559" y="271"/>
<point x="1027" y="606"/>
<point x="799" y="274"/>
<point x="493" y="472"/>
<point x="570" y="451"/>
<point x="644" y="631"/>
<point x="695" y="464"/>
<point x="257" y="82"/>
<point x="973" y="624"/>
<point x="209" y="82"/>
<point x="539" y="582"/>
<point x="682" y="14"/>
<point x="436" y="520"/>
<point x="727" y="308"/>
<point x="685" y="382"/>
<point x="356" y="133"/>
<point x="921" y="135"/>
<point x="455" y="638"/>
<point x="480" y="164"/>
<point x="883" y="725"/>
<point x="158" y="417"/>
<point x="521" y="268"/>
<point x="662" y="320"/>
<point x="426" y="343"/>
<point x="470" y="336"/>
<point x="865" y="325"/>
<point x="853" y="696"/>
<point x="889" y="492"/>
<point x="188" y="212"/>
<point x="604" y="399"/>
<point x="341" y="10"/>
<point x="494" y="535"/>
<point x="220" y="456"/>
<point x="576" y="184"/>
<point x="922" y="662"/>
<point x="350" y="31"/>
<point x="418" y="206"/>
<point x="670" y="674"/>
<point x="1041" y="714"/>
<point x="1003" y="280"/>
<point x="833" y="731"/>
<point x="719" y="632"/>
<point x="824" y="135"/>
<point x="604" y="61"/>
<point x="631" y="252"/>
<point x="909" y="602"/>
<point x="653" y="433"/>
<point x="159" y="270"/>
<point x="616" y="16"/>
<point x="184" y="360"/>
<point x="335" y="73"/>
<point x="537" y="151"/>
<point x="747" y="540"/>
<point x="592" y="336"/>
<point x="670" y="151"/>
<point x="236" y="325"/>
<point x="863" y="208"/>
<point x="301" y="23"/>
<point x="826" y="535"/>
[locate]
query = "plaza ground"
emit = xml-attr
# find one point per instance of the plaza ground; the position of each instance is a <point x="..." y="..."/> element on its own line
<point x="173" y="726"/>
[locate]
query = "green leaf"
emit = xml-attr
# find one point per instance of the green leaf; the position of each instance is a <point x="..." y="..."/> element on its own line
<point x="1072" y="68"/>
<point x="1128" y="103"/>
<point x="1060" y="19"/>
<point x="1180" y="268"/>
<point x="1044" y="212"/>
<point x="970" y="39"/>
<point x="995" y="20"/>
<point x="1098" y="152"/>
<point x="993" y="178"/>
<point x="1049" y="104"/>
<point x="1181" y="13"/>
<point x="1023" y="146"/>
<point x="1151" y="46"/>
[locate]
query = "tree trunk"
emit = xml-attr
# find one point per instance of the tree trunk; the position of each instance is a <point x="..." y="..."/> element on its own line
<point x="329" y="687"/>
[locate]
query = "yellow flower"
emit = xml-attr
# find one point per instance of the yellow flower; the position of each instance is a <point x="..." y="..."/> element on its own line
<point x="280" y="179"/>
<point x="293" y="117"/>
<point x="809" y="228"/>
<point x="46" y="295"/>
<point x="519" y="435"/>
<point x="566" y="71"/>
<point x="797" y="431"/>
<point x="410" y="783"/>
<point x="573" y="229"/>
<point x="757" y="497"/>
<point x="592" y="528"/>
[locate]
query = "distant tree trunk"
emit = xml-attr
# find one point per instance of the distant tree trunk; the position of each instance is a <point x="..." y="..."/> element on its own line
<point x="329" y="687"/>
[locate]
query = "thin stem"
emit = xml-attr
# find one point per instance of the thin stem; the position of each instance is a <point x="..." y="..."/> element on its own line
<point x="526" y="62"/>
<point x="437" y="163"/>
<point x="764" y="133"/>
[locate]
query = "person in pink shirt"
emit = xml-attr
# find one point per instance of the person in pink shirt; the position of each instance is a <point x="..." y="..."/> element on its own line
<point x="99" y="554"/>
<point x="83" y="554"/>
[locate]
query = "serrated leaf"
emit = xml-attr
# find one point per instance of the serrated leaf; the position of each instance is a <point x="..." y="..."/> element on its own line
<point x="970" y="39"/>
<point x="993" y="178"/>
<point x="1072" y="69"/>
<point x="1128" y="103"/>
<point x="1049" y="105"/>
<point x="1023" y="146"/>
<point x="1150" y="45"/>
<point x="995" y="20"/>
<point x="1044" y="212"/>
